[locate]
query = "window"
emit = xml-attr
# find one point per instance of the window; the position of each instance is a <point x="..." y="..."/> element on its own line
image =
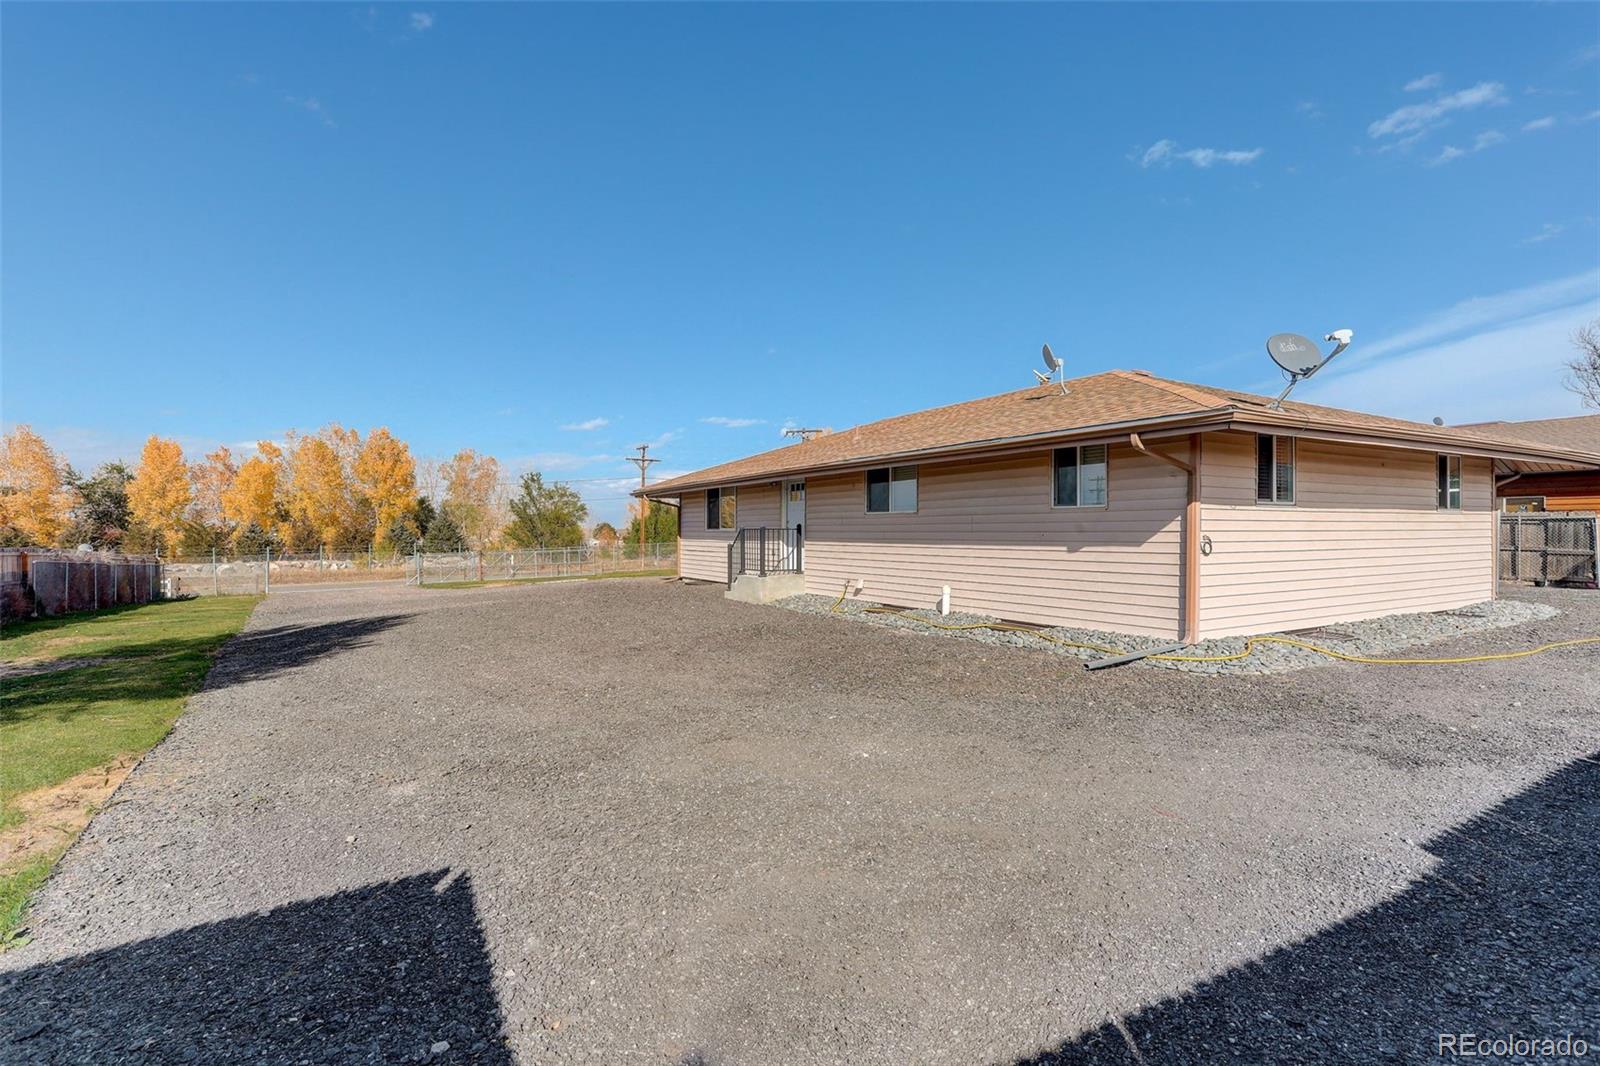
<point x="1080" y="476"/>
<point x="892" y="488"/>
<point x="722" y="509"/>
<point x="1274" y="469"/>
<point x="1450" y="482"/>
<point x="1523" y="504"/>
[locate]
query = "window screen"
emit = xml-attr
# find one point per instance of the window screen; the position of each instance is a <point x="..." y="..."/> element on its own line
<point x="892" y="488"/>
<point x="1450" y="482"/>
<point x="1274" y="469"/>
<point x="1080" y="476"/>
<point x="713" y="510"/>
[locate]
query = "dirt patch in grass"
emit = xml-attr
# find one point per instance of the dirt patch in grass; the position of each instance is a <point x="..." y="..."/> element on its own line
<point x="51" y="818"/>
<point x="45" y="666"/>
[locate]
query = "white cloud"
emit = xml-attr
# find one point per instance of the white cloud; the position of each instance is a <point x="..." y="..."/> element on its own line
<point x="1415" y="117"/>
<point x="421" y="21"/>
<point x="1427" y="81"/>
<point x="1513" y="371"/>
<point x="1309" y="108"/>
<point x="734" y="423"/>
<point x="1165" y="151"/>
<point x="1487" y="139"/>
<point x="1546" y="232"/>
<point x="1476" y="315"/>
<point x="1539" y="124"/>
<point x="587" y="426"/>
<point x="1449" y="153"/>
<point x="313" y="106"/>
<point x="666" y="438"/>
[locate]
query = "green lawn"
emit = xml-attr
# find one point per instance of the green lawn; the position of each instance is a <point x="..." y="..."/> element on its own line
<point x="56" y="725"/>
<point x="541" y="580"/>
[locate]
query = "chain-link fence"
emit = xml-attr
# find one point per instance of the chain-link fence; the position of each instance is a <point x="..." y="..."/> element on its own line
<point x="591" y="560"/>
<point x="225" y="575"/>
<point x="47" y="582"/>
<point x="1550" y="548"/>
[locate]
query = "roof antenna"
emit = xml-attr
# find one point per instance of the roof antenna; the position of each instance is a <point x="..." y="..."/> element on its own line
<point x="1299" y="357"/>
<point x="1055" y="366"/>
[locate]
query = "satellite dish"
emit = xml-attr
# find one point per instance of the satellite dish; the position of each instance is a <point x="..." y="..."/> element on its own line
<point x="1438" y="421"/>
<point x="1297" y="355"/>
<point x="1051" y="363"/>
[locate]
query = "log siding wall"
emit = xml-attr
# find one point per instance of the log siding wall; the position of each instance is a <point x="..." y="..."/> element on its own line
<point x="1364" y="537"/>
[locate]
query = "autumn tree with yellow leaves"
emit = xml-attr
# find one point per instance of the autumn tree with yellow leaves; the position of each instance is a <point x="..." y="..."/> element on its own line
<point x="35" y="500"/>
<point x="471" y="486"/>
<point x="387" y="477"/>
<point x="159" y="495"/>
<point x="251" y="501"/>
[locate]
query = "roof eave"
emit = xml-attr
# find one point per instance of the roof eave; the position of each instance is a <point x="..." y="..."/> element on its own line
<point x="1213" y="418"/>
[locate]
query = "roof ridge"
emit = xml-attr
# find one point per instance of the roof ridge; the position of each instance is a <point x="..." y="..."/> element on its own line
<point x="1176" y="388"/>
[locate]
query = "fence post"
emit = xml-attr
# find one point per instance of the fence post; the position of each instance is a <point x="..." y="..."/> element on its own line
<point x="266" y="572"/>
<point x="214" y="571"/>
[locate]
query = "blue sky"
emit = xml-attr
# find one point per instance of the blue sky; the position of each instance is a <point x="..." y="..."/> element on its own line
<point x="553" y="232"/>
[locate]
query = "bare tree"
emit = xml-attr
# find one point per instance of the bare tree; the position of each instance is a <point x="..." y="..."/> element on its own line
<point x="1583" y="370"/>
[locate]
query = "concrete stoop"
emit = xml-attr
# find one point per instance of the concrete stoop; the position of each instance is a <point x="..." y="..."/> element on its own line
<point x="753" y="588"/>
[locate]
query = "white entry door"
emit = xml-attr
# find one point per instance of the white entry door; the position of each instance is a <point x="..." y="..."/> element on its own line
<point x="794" y="517"/>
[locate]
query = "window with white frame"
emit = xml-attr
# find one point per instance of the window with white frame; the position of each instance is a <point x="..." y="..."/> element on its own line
<point x="1449" y="482"/>
<point x="1080" y="476"/>
<point x="1274" y="468"/>
<point x="722" y="508"/>
<point x="892" y="489"/>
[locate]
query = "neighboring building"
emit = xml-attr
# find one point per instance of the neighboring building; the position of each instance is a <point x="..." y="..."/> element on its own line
<point x="1577" y="490"/>
<point x="1130" y="503"/>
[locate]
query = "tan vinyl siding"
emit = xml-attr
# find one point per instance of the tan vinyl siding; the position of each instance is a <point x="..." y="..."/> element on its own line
<point x="703" y="553"/>
<point x="1365" y="537"/>
<point x="988" y="530"/>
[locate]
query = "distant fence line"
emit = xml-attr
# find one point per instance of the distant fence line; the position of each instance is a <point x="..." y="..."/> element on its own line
<point x="48" y="581"/>
<point x="244" y="575"/>
<point x="526" y="564"/>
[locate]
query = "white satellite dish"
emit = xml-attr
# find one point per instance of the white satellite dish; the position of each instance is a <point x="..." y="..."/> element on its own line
<point x="1299" y="357"/>
<point x="1051" y="363"/>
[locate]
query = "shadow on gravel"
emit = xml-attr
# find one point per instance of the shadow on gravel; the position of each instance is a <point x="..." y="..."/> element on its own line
<point x="383" y="973"/>
<point x="260" y="653"/>
<point x="247" y="657"/>
<point x="1502" y="939"/>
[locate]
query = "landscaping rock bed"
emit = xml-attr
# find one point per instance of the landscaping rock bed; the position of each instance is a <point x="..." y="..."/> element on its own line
<point x="1388" y="637"/>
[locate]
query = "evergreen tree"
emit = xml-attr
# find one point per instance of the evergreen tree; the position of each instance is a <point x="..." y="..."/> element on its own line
<point x="443" y="535"/>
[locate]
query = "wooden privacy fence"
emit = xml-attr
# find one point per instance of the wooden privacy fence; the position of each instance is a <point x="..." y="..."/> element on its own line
<point x="45" y="581"/>
<point x="1549" y="548"/>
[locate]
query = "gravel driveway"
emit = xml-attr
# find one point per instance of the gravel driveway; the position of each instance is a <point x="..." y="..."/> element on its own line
<point x="629" y="821"/>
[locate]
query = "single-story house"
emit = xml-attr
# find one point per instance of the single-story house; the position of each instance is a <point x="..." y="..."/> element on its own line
<point x="1571" y="490"/>
<point x="1127" y="502"/>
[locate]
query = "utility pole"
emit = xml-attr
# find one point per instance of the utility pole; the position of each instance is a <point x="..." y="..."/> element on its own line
<point x="642" y="461"/>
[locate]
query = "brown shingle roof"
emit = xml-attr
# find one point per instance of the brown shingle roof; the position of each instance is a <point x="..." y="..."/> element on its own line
<point x="1123" y="400"/>
<point x="1581" y="432"/>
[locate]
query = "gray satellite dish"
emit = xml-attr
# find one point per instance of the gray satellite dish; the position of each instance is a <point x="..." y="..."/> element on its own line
<point x="1298" y="355"/>
<point x="1051" y="363"/>
<point x="1438" y="421"/>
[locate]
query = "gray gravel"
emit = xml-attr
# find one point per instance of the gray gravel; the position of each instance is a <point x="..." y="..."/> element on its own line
<point x="1376" y="637"/>
<point x="630" y="821"/>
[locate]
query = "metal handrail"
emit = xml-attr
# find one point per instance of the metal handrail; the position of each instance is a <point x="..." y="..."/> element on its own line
<point x="763" y="550"/>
